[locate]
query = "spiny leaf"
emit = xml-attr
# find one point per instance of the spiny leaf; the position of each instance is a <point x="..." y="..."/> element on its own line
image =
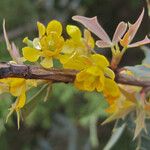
<point x="129" y="92"/>
<point x="133" y="28"/>
<point x="119" y="110"/>
<point x="140" y="122"/>
<point x="145" y="41"/>
<point x="143" y="139"/>
<point x="140" y="71"/>
<point x="116" y="134"/>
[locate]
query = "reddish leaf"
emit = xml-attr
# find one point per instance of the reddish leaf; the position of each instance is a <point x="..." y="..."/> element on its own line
<point x="120" y="31"/>
<point x="93" y="25"/>
<point x="102" y="44"/>
<point x="146" y="40"/>
<point x="134" y="27"/>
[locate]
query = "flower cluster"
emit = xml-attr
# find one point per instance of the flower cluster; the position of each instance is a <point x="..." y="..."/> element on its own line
<point x="77" y="53"/>
<point x="47" y="46"/>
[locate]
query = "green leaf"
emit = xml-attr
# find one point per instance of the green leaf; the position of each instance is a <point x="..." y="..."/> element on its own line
<point x="140" y="71"/>
<point x="140" y="122"/>
<point x="95" y="106"/>
<point x="126" y="107"/>
<point x="116" y="134"/>
<point x="143" y="139"/>
<point x="93" y="131"/>
<point x="146" y="51"/>
<point x="48" y="92"/>
<point x="30" y="106"/>
<point x="64" y="92"/>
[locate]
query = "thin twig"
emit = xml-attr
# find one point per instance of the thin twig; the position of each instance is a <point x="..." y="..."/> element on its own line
<point x="36" y="72"/>
<point x="58" y="75"/>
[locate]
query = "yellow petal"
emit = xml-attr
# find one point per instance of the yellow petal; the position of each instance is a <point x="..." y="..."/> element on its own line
<point x="77" y="63"/>
<point x="89" y="83"/>
<point x="125" y="41"/>
<point x="112" y="108"/>
<point x="94" y="70"/>
<point x="28" y="42"/>
<point x="41" y="29"/>
<point x="36" y="43"/>
<point x="81" y="76"/>
<point x="52" y="44"/>
<point x="111" y="89"/>
<point x="79" y="85"/>
<point x="21" y="101"/>
<point x="100" y="60"/>
<point x="17" y="85"/>
<point x="47" y="62"/>
<point x="63" y="58"/>
<point x="4" y="87"/>
<point x="100" y="83"/>
<point x="89" y="39"/>
<point x="30" y="54"/>
<point x="54" y="26"/>
<point x="31" y="82"/>
<point x="69" y="47"/>
<point x="109" y="73"/>
<point x="74" y="32"/>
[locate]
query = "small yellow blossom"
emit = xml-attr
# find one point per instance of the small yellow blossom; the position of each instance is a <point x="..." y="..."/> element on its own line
<point x="47" y="46"/>
<point x="76" y="47"/>
<point x="78" y="44"/>
<point x="17" y="87"/>
<point x="90" y="79"/>
<point x="97" y="76"/>
<point x="111" y="90"/>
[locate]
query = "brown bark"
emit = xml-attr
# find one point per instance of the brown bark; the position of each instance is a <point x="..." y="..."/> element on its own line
<point x="57" y="75"/>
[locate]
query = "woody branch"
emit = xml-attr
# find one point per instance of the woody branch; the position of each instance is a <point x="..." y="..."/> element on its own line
<point x="57" y="75"/>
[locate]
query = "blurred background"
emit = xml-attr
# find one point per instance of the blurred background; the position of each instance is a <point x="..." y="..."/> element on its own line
<point x="69" y="119"/>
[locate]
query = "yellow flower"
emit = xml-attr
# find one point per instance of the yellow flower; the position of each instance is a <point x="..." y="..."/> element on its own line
<point x="77" y="62"/>
<point x="17" y="87"/>
<point x="47" y="46"/>
<point x="90" y="79"/>
<point x="111" y="90"/>
<point x="97" y="76"/>
<point x="77" y="43"/>
<point x="77" y="47"/>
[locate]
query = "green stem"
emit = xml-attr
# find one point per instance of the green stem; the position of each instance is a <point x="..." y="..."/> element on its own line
<point x="93" y="132"/>
<point x="138" y="142"/>
<point x="116" y="56"/>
